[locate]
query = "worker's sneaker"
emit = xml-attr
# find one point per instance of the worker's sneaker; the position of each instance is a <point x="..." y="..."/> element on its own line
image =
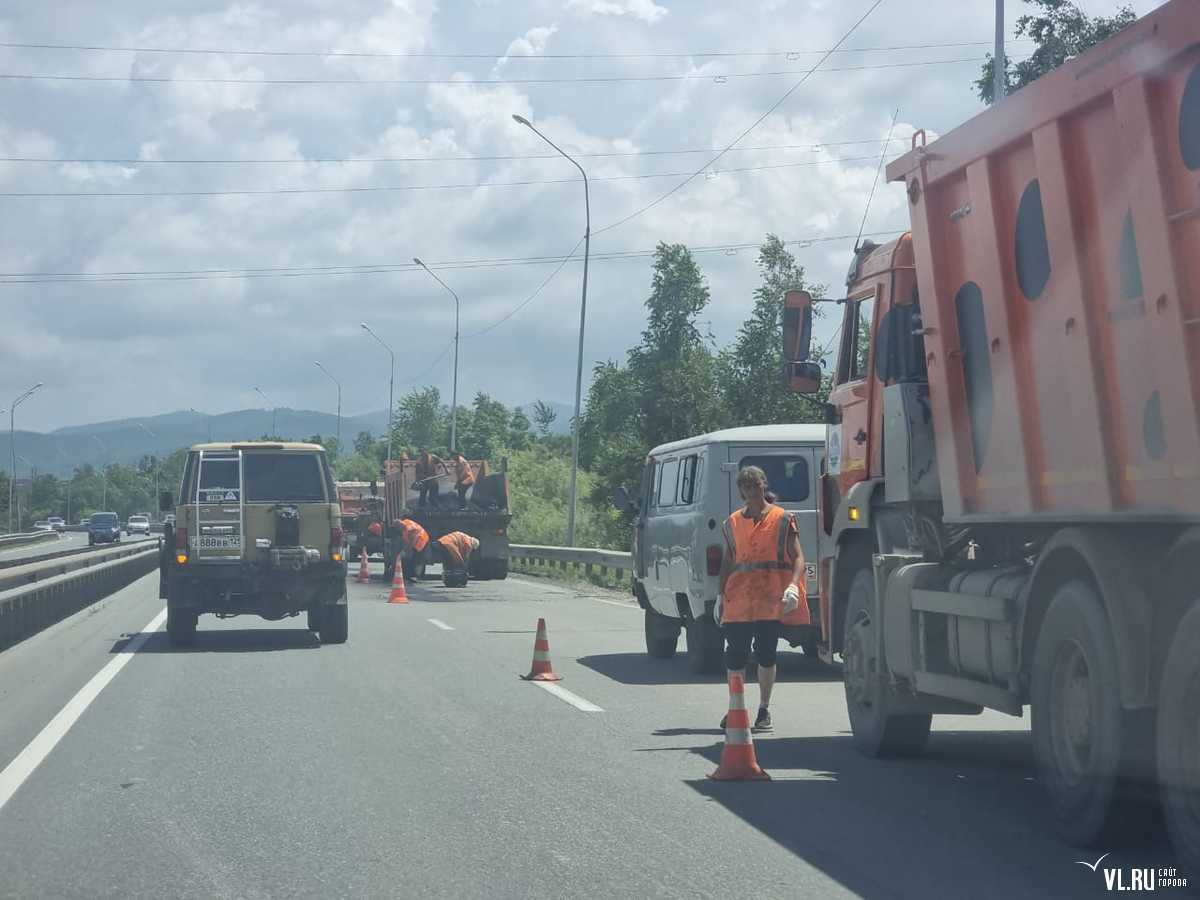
<point x="724" y="718"/>
<point x="763" y="721"/>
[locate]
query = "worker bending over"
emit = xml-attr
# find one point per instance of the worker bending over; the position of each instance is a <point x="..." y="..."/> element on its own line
<point x="414" y="544"/>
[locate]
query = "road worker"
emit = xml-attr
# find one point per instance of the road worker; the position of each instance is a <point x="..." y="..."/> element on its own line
<point x="427" y="475"/>
<point x="455" y="550"/>
<point x="414" y="541"/>
<point x="761" y="583"/>
<point x="464" y="478"/>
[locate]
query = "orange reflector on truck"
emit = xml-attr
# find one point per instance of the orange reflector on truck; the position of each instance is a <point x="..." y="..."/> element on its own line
<point x="852" y="514"/>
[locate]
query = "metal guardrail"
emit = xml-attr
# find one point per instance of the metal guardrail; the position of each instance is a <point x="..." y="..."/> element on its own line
<point x="30" y="608"/>
<point x="577" y="557"/>
<point x="20" y="572"/>
<point x="32" y="537"/>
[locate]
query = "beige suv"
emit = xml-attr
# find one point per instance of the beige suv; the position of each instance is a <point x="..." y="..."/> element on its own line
<point x="257" y="532"/>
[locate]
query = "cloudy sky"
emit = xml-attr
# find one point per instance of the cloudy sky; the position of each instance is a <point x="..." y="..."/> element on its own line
<point x="373" y="131"/>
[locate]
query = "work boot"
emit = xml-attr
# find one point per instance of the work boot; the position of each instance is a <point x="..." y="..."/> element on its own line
<point x="763" y="721"/>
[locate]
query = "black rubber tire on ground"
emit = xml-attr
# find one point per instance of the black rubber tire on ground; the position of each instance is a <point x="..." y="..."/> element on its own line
<point x="877" y="732"/>
<point x="497" y="568"/>
<point x="705" y="646"/>
<point x="314" y="620"/>
<point x="1077" y="722"/>
<point x="181" y="627"/>
<point x="1179" y="742"/>
<point x="335" y="626"/>
<point x="662" y="635"/>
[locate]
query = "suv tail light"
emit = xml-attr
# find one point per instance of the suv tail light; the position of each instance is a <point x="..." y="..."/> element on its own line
<point x="181" y="545"/>
<point x="337" y="537"/>
<point x="712" y="558"/>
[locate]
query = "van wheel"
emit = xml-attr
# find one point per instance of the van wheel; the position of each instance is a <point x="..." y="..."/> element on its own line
<point x="181" y="627"/>
<point x="1077" y="722"/>
<point x="705" y="646"/>
<point x="662" y="635"/>
<point x="335" y="626"/>
<point x="877" y="732"/>
<point x="1179" y="741"/>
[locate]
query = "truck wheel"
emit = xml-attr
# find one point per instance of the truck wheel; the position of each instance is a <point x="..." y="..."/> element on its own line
<point x="1076" y="714"/>
<point x="181" y="627"/>
<point x="662" y="635"/>
<point x="877" y="732"/>
<point x="705" y="646"/>
<point x="334" y="628"/>
<point x="498" y="568"/>
<point x="1179" y="741"/>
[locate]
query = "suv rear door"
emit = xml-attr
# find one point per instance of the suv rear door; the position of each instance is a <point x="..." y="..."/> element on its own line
<point x="216" y="495"/>
<point x="278" y="478"/>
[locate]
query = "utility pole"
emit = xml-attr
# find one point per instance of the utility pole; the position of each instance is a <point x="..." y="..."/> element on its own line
<point x="999" y="65"/>
<point x="454" y="397"/>
<point x="12" y="447"/>
<point x="154" y="460"/>
<point x="272" y="405"/>
<point x="103" y="471"/>
<point x="339" y="402"/>
<point x="391" y="384"/>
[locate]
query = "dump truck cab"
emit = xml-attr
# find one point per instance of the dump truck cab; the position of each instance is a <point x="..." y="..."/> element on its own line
<point x="257" y="532"/>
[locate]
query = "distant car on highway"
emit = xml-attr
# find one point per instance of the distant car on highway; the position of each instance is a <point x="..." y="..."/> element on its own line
<point x="57" y="524"/>
<point x="137" y="525"/>
<point x="169" y="519"/>
<point x="85" y="521"/>
<point x="42" y="526"/>
<point x="104" y="528"/>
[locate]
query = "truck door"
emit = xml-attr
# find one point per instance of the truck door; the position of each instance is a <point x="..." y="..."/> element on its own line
<point x="848" y="448"/>
<point x="220" y="518"/>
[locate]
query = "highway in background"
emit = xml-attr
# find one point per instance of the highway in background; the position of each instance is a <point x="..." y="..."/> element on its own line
<point x="412" y="761"/>
<point x="70" y="540"/>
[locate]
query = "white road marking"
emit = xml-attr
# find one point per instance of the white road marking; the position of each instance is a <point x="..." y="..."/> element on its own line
<point x="442" y="625"/>
<point x="17" y="771"/>
<point x="621" y="603"/>
<point x="563" y="694"/>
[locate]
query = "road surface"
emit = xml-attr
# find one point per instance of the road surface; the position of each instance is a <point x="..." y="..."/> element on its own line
<point x="70" y="540"/>
<point x="412" y="761"/>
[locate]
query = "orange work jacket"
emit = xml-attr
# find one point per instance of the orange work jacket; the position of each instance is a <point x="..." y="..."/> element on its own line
<point x="762" y="569"/>
<point x="413" y="535"/>
<point x="464" y="473"/>
<point x="458" y="545"/>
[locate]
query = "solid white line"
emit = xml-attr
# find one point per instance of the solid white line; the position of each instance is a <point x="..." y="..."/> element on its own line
<point x="442" y="625"/>
<point x="621" y="603"/>
<point x="563" y="694"/>
<point x="17" y="771"/>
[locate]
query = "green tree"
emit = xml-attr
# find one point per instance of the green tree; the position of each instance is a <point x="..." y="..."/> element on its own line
<point x="420" y="420"/>
<point x="1061" y="30"/>
<point x="543" y="416"/>
<point x="751" y="381"/>
<point x="519" y="437"/>
<point x="364" y="443"/>
<point x="489" y="428"/>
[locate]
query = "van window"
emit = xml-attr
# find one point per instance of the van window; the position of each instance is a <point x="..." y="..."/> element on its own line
<point x="787" y="476"/>
<point x="287" y="477"/>
<point x="666" y="484"/>
<point x="687" y="480"/>
<point x="649" y="486"/>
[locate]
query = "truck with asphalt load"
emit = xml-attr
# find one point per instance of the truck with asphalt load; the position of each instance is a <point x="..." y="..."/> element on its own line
<point x="1012" y="488"/>
<point x="362" y="517"/>
<point x="486" y="516"/>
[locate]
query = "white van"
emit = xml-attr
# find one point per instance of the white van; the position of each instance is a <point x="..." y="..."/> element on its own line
<point x="688" y="489"/>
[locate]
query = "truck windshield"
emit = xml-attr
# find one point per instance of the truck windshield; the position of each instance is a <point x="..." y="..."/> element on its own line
<point x="294" y="477"/>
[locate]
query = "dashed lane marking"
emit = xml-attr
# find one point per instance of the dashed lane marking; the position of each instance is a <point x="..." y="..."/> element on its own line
<point x="17" y="771"/>
<point x="621" y="603"/>
<point x="563" y="694"/>
<point x="442" y="625"/>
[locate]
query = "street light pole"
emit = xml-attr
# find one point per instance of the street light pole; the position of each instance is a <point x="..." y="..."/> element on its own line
<point x="103" y="472"/>
<point x="339" y="396"/>
<point x="587" y="240"/>
<point x="999" y="67"/>
<point x="154" y="458"/>
<point x="454" y="398"/>
<point x="391" y="384"/>
<point x="207" y="420"/>
<point x="272" y="405"/>
<point x="12" y="447"/>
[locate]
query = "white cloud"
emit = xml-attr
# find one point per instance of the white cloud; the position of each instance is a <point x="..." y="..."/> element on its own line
<point x="646" y="10"/>
<point x="532" y="43"/>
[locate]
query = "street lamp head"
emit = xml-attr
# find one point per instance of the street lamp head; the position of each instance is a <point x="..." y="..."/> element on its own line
<point x="521" y="120"/>
<point x="364" y="326"/>
<point x="417" y="260"/>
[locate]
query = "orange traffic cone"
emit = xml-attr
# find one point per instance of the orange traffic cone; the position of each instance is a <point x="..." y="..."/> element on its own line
<point x="364" y="572"/>
<point x="738" y="762"/>
<point x="541" y="670"/>
<point x="399" y="595"/>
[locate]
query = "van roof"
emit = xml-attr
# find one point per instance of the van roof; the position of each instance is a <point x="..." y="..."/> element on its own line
<point x="258" y="445"/>
<point x="749" y="434"/>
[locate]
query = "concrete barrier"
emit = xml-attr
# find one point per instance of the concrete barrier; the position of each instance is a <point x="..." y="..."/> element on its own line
<point x="32" y="537"/>
<point x="577" y="557"/>
<point x="26" y="610"/>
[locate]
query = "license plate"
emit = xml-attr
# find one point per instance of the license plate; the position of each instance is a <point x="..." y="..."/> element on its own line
<point x="220" y="543"/>
<point x="810" y="570"/>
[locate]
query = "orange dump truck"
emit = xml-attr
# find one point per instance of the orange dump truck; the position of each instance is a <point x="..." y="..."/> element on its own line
<point x="1012" y="485"/>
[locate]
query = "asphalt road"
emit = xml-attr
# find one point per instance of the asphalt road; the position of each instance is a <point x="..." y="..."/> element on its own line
<point x="70" y="540"/>
<point x="412" y="761"/>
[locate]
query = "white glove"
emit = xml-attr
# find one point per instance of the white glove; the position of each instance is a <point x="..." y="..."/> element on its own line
<point x="791" y="599"/>
<point x="717" y="609"/>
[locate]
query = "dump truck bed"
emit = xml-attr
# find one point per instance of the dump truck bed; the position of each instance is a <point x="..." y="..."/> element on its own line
<point x="1057" y="244"/>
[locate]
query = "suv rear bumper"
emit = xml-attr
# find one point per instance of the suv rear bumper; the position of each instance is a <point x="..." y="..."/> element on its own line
<point x="247" y="588"/>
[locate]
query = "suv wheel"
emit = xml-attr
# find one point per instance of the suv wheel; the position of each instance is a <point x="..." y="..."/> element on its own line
<point x="181" y="627"/>
<point x="662" y="635"/>
<point x="334" y="627"/>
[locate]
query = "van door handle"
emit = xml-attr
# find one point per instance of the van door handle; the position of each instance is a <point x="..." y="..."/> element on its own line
<point x="861" y="437"/>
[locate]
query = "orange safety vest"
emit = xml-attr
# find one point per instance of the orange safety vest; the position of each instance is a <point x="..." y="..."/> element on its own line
<point x="458" y="545"/>
<point x="466" y="477"/>
<point x="413" y="535"/>
<point x="761" y="569"/>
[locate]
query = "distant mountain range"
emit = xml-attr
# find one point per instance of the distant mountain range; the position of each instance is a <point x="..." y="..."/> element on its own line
<point x="126" y="440"/>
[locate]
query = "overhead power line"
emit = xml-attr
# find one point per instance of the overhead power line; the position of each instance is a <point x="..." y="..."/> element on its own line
<point x="433" y="54"/>
<point x="614" y="154"/>
<point x="46" y="195"/>
<point x="382" y="268"/>
<point x="716" y="77"/>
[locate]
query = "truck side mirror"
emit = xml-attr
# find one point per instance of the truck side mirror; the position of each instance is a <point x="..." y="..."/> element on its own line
<point x="802" y="377"/>
<point x="166" y="501"/>
<point x="797" y="326"/>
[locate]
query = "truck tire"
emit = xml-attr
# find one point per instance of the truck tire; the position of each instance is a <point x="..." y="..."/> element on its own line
<point x="877" y="732"/>
<point x="1077" y="720"/>
<point x="662" y="635"/>
<point x="497" y="568"/>
<point x="181" y="627"/>
<point x="1179" y="741"/>
<point x="334" y="627"/>
<point x="705" y="646"/>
